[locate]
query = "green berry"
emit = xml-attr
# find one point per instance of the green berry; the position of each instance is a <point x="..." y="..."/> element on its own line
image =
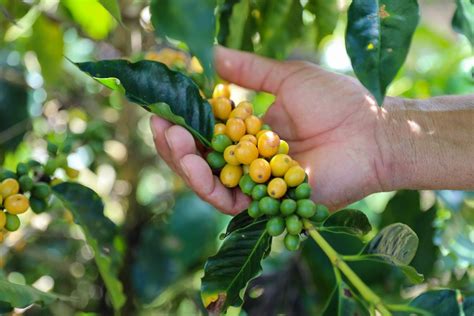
<point x="266" y="127"/>
<point x="291" y="193"/>
<point x="292" y="242"/>
<point x="22" y="168"/>
<point x="33" y="164"/>
<point x="293" y="224"/>
<point x="13" y="222"/>
<point x="254" y="210"/>
<point x="306" y="208"/>
<point x="26" y="183"/>
<point x="269" y="206"/>
<point x="287" y="207"/>
<point x="52" y="148"/>
<point x="50" y="167"/>
<point x="259" y="191"/>
<point x="246" y="184"/>
<point x="321" y="213"/>
<point x="38" y="205"/>
<point x="215" y="160"/>
<point x="275" y="226"/>
<point x="7" y="174"/>
<point x="303" y="191"/>
<point x="220" y="142"/>
<point x="41" y="190"/>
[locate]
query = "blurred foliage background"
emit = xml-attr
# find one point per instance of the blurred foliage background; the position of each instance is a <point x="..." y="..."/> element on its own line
<point x="169" y="232"/>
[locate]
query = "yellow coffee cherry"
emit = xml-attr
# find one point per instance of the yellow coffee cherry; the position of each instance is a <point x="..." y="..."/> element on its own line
<point x="284" y="148"/>
<point x="221" y="107"/>
<point x="246" y="152"/>
<point x="3" y="219"/>
<point x="268" y="144"/>
<point x="246" y="168"/>
<point x="280" y="164"/>
<point x="240" y="113"/>
<point x="260" y="133"/>
<point x="253" y="124"/>
<point x="235" y="129"/>
<point x="294" y="176"/>
<point x="221" y="90"/>
<point x="230" y="175"/>
<point x="249" y="138"/>
<point x="9" y="187"/>
<point x="2" y="238"/>
<point x="72" y="173"/>
<point x="247" y="106"/>
<point x="219" y="128"/>
<point x="17" y="204"/>
<point x="230" y="157"/>
<point x="276" y="188"/>
<point x="260" y="170"/>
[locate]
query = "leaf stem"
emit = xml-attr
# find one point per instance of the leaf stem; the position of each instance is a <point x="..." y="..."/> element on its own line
<point x="340" y="264"/>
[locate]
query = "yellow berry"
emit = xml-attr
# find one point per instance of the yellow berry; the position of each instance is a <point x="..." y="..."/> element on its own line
<point x="219" y="128"/>
<point x="268" y="144"/>
<point x="2" y="237"/>
<point x="246" y="152"/>
<point x="294" y="176"/>
<point x="276" y="188"/>
<point x="260" y="170"/>
<point x="249" y="138"/>
<point x="3" y="219"/>
<point x="284" y="148"/>
<point x="235" y="129"/>
<point x="221" y="90"/>
<point x="72" y="173"/>
<point x="230" y="175"/>
<point x="247" y="106"/>
<point x="280" y="164"/>
<point x="230" y="157"/>
<point x="240" y="113"/>
<point x="17" y="204"/>
<point x="253" y="124"/>
<point x="221" y="107"/>
<point x="9" y="187"/>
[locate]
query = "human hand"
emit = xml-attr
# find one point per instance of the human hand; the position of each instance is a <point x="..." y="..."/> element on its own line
<point x="329" y="120"/>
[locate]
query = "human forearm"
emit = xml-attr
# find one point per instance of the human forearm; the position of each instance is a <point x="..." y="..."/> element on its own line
<point x="428" y="144"/>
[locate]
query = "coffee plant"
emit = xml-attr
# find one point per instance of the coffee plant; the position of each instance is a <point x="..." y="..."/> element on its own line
<point x="92" y="222"/>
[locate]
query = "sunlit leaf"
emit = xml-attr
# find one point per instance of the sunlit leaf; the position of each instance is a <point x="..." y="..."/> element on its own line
<point x="327" y="14"/>
<point x="15" y="295"/>
<point x="463" y="19"/>
<point x="113" y="7"/>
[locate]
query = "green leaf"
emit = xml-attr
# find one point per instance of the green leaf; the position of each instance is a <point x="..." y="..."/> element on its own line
<point x="225" y="12"/>
<point x="240" y="220"/>
<point x="350" y="221"/>
<point x="187" y="22"/>
<point x="101" y="234"/>
<point x="344" y="302"/>
<point x="463" y="19"/>
<point x="15" y="295"/>
<point x="378" y="37"/>
<point x="238" y="21"/>
<point x="327" y="14"/>
<point x="237" y="262"/>
<point x="113" y="7"/>
<point x="438" y="303"/>
<point x="167" y="93"/>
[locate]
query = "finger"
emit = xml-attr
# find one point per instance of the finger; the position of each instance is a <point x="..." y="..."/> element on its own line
<point x="200" y="178"/>
<point x="252" y="71"/>
<point x="158" y="128"/>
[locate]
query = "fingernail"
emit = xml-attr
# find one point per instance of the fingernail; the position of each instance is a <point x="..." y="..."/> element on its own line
<point x="185" y="169"/>
<point x="168" y="139"/>
<point x="152" y="126"/>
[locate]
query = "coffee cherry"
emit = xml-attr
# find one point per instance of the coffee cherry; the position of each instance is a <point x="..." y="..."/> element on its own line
<point x="2" y="236"/>
<point x="260" y="170"/>
<point x="6" y="174"/>
<point x="268" y="144"/>
<point x="259" y="191"/>
<point x="280" y="164"/>
<point x="16" y="204"/>
<point x="306" y="208"/>
<point x="26" y="183"/>
<point x="13" y="222"/>
<point x="321" y="213"/>
<point x="246" y="184"/>
<point x="215" y="160"/>
<point x="253" y="124"/>
<point x="22" y="168"/>
<point x="38" y="205"/>
<point x="235" y="129"/>
<point x="254" y="210"/>
<point x="230" y="157"/>
<point x="247" y="106"/>
<point x="3" y="219"/>
<point x="287" y="207"/>
<point x="246" y="152"/>
<point x="221" y="90"/>
<point x="220" y="142"/>
<point x="275" y="226"/>
<point x="71" y="172"/>
<point x="269" y="206"/>
<point x="276" y="188"/>
<point x="240" y="113"/>
<point x="266" y="127"/>
<point x="284" y="148"/>
<point x="52" y="148"/>
<point x="219" y="128"/>
<point x="221" y="107"/>
<point x="303" y="191"/>
<point x="294" y="176"/>
<point x="249" y="138"/>
<point x="291" y="193"/>
<point x="292" y="242"/>
<point x="50" y="167"/>
<point x="294" y="225"/>
<point x="9" y="187"/>
<point x="230" y="175"/>
<point x="41" y="190"/>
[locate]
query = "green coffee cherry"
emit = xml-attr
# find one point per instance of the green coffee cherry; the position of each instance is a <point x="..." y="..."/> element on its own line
<point x="292" y="242"/>
<point x="321" y="213"/>
<point x="38" y="205"/>
<point x="246" y="184"/>
<point x="7" y="174"/>
<point x="291" y="193"/>
<point x="266" y="127"/>
<point x="287" y="207"/>
<point x="275" y="226"/>
<point x="306" y="208"/>
<point x="22" y="168"/>
<point x="41" y="190"/>
<point x="26" y="183"/>
<point x="269" y="206"/>
<point x="259" y="191"/>
<point x="220" y="142"/>
<point x="215" y="160"/>
<point x="254" y="210"/>
<point x="303" y="191"/>
<point x="13" y="222"/>
<point x="33" y="164"/>
<point x="52" y="149"/>
<point x="293" y="224"/>
<point x="50" y="167"/>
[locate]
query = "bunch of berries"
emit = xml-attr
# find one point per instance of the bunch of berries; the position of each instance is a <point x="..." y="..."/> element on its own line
<point x="248" y="154"/>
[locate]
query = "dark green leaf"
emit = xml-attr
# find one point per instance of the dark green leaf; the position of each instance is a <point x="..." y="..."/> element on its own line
<point x="237" y="24"/>
<point x="438" y="303"/>
<point x="350" y="221"/>
<point x="468" y="305"/>
<point x="463" y="19"/>
<point x="240" y="220"/>
<point x="327" y="14"/>
<point x="396" y="241"/>
<point x="166" y="93"/>
<point x="378" y="38"/>
<point x="225" y="12"/>
<point x="188" y="22"/>
<point x="344" y="302"/>
<point x="88" y="211"/>
<point x="234" y="265"/>
<point x="113" y="7"/>
<point x="15" y="295"/>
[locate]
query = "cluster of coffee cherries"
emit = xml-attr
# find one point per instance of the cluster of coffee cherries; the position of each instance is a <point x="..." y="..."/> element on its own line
<point x="28" y="188"/>
<point x="248" y="154"/>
